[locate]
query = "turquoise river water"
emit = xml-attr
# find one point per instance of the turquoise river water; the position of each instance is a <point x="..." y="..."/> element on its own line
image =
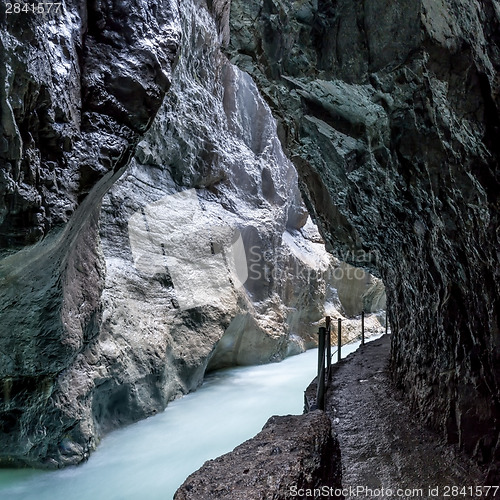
<point x="149" y="460"/>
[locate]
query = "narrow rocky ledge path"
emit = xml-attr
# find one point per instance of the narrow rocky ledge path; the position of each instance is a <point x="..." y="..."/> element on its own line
<point x="382" y="444"/>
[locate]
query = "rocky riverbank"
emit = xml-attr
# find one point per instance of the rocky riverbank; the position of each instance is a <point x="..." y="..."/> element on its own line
<point x="383" y="444"/>
<point x="292" y="454"/>
<point x="378" y="447"/>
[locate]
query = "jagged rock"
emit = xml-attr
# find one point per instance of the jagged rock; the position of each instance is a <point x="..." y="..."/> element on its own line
<point x="390" y="114"/>
<point x="291" y="454"/>
<point x="79" y="88"/>
<point x="200" y="240"/>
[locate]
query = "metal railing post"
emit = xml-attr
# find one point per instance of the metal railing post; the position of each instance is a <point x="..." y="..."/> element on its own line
<point x="321" y="348"/>
<point x="362" y="327"/>
<point x="339" y="339"/>
<point x="320" y="395"/>
<point x="320" y="391"/>
<point x="328" y="346"/>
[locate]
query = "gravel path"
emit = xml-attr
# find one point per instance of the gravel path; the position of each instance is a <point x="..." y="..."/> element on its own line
<point x="382" y="443"/>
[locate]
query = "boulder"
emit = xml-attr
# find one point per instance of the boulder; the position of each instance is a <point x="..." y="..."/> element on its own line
<point x="293" y="456"/>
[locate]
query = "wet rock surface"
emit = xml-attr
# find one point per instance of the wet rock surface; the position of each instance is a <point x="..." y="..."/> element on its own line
<point x="79" y="88"/>
<point x="67" y="131"/>
<point x="293" y="451"/>
<point x="209" y="202"/>
<point x="390" y="113"/>
<point x="382" y="442"/>
<point x="151" y="226"/>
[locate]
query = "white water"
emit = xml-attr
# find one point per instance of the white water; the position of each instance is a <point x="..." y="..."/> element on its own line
<point x="150" y="459"/>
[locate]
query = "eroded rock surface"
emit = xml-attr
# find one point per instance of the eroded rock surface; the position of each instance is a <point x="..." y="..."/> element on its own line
<point x="79" y="88"/>
<point x="69" y="126"/>
<point x="144" y="239"/>
<point x="291" y="453"/>
<point x="199" y="239"/>
<point x="389" y="111"/>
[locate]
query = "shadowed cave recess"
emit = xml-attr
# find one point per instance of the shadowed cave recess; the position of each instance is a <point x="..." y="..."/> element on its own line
<point x="123" y="121"/>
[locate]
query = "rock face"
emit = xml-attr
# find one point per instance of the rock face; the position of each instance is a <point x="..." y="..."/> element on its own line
<point x="79" y="88"/>
<point x="206" y="262"/>
<point x="390" y="114"/>
<point x="357" y="290"/>
<point x="144" y="239"/>
<point x="290" y="454"/>
<point x="69" y="126"/>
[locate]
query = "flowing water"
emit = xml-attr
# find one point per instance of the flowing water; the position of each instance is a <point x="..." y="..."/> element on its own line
<point x="150" y="459"/>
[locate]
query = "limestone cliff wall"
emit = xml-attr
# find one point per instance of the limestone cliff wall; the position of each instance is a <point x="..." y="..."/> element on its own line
<point x="144" y="239"/>
<point x="78" y="92"/>
<point x="199" y="241"/>
<point x="390" y="113"/>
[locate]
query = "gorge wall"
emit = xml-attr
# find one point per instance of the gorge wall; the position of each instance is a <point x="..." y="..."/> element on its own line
<point x="151" y="227"/>
<point x="78" y="92"/>
<point x="390" y="112"/>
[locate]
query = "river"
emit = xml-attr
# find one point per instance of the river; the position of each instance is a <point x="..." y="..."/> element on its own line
<point x="149" y="460"/>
